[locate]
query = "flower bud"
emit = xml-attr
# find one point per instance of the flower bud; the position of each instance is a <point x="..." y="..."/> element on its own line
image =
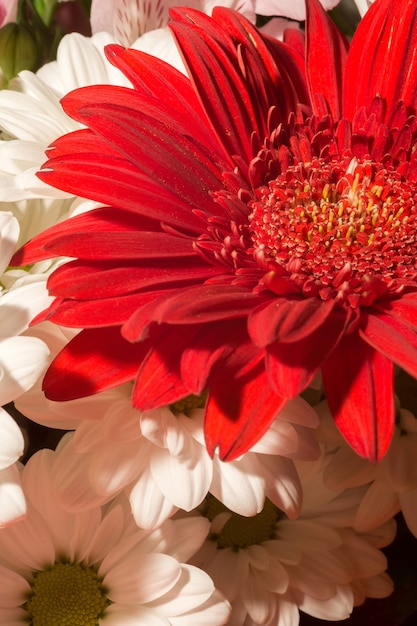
<point x="17" y="49"/>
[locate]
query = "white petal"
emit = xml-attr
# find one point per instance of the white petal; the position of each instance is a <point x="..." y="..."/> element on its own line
<point x="9" y="233"/>
<point x="408" y="502"/>
<point x="379" y="504"/>
<point x="192" y="589"/>
<point x="131" y="615"/>
<point x="190" y="533"/>
<point x="338" y="607"/>
<point x="150" y="508"/>
<point x="214" y="612"/>
<point x="142" y="578"/>
<point x="239" y="485"/>
<point x="283" y="8"/>
<point x="11" y="440"/>
<point x="185" y="483"/>
<point x="20" y="305"/>
<point x="13" y="588"/>
<point x="12" y="499"/>
<point x="22" y="360"/>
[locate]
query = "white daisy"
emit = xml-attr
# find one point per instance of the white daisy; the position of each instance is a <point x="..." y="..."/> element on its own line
<point x="128" y="21"/>
<point x="270" y="567"/>
<point x="22" y="360"/>
<point x="97" y="567"/>
<point x="391" y="484"/>
<point x="159" y="457"/>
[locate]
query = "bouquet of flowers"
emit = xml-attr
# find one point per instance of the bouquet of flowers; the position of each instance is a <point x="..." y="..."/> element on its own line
<point x="209" y="310"/>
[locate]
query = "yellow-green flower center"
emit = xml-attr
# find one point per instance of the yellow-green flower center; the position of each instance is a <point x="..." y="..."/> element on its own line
<point x="239" y="531"/>
<point x="66" y="594"/>
<point x="188" y="404"/>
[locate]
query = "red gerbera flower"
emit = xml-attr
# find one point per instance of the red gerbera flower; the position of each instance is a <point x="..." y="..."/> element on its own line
<point x="261" y="224"/>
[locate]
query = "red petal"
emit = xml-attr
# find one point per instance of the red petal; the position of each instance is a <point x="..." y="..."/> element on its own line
<point x="158" y="381"/>
<point x="103" y="233"/>
<point x="212" y="65"/>
<point x="326" y="54"/>
<point x="77" y="279"/>
<point x="382" y="59"/>
<point x="193" y="305"/>
<point x="95" y="360"/>
<point x="222" y="350"/>
<point x="238" y="413"/>
<point x="359" y="389"/>
<point x="152" y="77"/>
<point x="292" y="366"/>
<point x="393" y="338"/>
<point x="403" y="308"/>
<point x="287" y="320"/>
<point x="91" y="175"/>
<point x="91" y="314"/>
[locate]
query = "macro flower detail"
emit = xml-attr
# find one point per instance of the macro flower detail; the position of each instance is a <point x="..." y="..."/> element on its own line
<point x="259" y="225"/>
<point x="97" y="567"/>
<point x="269" y="567"/>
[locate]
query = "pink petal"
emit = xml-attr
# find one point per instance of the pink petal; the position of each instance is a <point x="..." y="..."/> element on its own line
<point x="359" y="388"/>
<point x="239" y="412"/>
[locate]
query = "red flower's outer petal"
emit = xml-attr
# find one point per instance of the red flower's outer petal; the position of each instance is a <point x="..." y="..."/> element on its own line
<point x="91" y="314"/>
<point x="287" y="320"/>
<point x="153" y="77"/>
<point x="239" y="412"/>
<point x="326" y="54"/>
<point x="237" y="74"/>
<point x="78" y="279"/>
<point x="218" y="83"/>
<point x="292" y="366"/>
<point x="358" y="382"/>
<point x="403" y="308"/>
<point x="158" y="381"/>
<point x="194" y="305"/>
<point x="222" y="350"/>
<point x="383" y="58"/>
<point x="393" y="338"/>
<point x="95" y="360"/>
<point x="105" y="233"/>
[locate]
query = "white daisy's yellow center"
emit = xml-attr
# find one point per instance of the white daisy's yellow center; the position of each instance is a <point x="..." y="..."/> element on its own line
<point x="66" y="594"/>
<point x="239" y="531"/>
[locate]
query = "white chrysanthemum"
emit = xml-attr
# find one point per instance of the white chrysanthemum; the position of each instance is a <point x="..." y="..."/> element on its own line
<point x="128" y="21"/>
<point x="22" y="360"/>
<point x="97" y="567"/>
<point x="391" y="483"/>
<point x="270" y="567"/>
<point x="159" y="457"/>
<point x="363" y="5"/>
<point x="294" y="10"/>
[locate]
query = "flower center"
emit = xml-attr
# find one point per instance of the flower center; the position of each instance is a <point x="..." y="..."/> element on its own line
<point x="189" y="403"/>
<point x="66" y="594"/>
<point x="239" y="531"/>
<point x="318" y="218"/>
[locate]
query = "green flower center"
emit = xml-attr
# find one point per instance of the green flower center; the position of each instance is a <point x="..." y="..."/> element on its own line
<point x="239" y="531"/>
<point x="66" y="594"/>
<point x="188" y="404"/>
